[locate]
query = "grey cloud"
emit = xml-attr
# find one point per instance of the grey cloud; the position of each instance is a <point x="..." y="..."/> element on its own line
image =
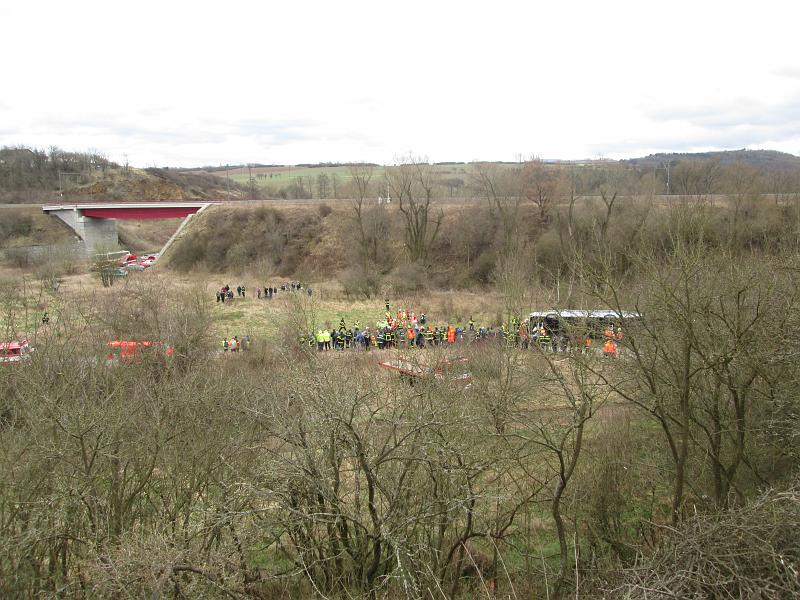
<point x="9" y="132"/>
<point x="732" y="112"/>
<point x="272" y="132"/>
<point x="722" y="140"/>
<point x="292" y="130"/>
<point x="790" y="72"/>
<point x="733" y="124"/>
<point x="144" y="127"/>
<point x="742" y="115"/>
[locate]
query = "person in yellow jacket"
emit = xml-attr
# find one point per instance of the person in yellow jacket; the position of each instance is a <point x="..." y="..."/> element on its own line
<point x="326" y="338"/>
<point x="320" y="340"/>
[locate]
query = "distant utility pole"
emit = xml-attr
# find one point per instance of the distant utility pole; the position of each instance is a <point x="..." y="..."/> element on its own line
<point x="64" y="177"/>
<point x="667" y="168"/>
<point x="250" y="181"/>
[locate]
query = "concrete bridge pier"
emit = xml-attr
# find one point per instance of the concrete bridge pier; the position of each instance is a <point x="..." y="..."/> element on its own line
<point x="97" y="234"/>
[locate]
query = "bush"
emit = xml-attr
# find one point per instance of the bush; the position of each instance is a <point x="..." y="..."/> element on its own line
<point x="409" y="277"/>
<point x="19" y="257"/>
<point x="751" y="552"/>
<point x="15" y="224"/>
<point x="356" y="282"/>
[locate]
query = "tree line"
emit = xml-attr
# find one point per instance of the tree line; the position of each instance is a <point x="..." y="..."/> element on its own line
<point x="673" y="175"/>
<point x="24" y="168"/>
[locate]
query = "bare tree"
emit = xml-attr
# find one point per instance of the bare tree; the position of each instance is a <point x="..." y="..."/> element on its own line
<point x="706" y="353"/>
<point x="502" y="188"/>
<point x="412" y="185"/>
<point x="542" y="184"/>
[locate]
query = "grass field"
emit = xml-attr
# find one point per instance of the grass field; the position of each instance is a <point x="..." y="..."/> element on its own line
<point x="268" y="176"/>
<point x="287" y="314"/>
<point x="295" y="312"/>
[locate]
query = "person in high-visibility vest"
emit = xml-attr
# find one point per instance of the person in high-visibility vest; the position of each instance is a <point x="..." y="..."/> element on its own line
<point x="544" y="338"/>
<point x="587" y="345"/>
<point x="326" y="339"/>
<point x="320" y="340"/>
<point x="428" y="335"/>
<point x="610" y="348"/>
<point x="511" y="337"/>
<point x="451" y="334"/>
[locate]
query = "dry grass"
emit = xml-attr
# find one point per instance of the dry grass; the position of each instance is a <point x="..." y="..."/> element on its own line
<point x="269" y="319"/>
<point x="147" y="235"/>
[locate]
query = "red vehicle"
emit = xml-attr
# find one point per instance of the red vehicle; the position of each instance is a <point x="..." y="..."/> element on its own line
<point x="129" y="351"/>
<point x="450" y="369"/>
<point x="138" y="262"/>
<point x="15" y="351"/>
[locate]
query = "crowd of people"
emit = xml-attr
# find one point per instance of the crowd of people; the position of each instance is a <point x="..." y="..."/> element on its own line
<point x="405" y="328"/>
<point x="267" y="292"/>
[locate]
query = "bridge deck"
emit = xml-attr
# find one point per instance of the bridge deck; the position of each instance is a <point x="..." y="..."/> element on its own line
<point x="130" y="210"/>
<point x="91" y="205"/>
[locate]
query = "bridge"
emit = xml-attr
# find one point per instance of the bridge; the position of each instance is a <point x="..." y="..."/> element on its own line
<point x="95" y="224"/>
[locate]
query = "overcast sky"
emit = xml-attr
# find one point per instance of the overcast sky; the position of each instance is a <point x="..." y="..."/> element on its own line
<point x="206" y="83"/>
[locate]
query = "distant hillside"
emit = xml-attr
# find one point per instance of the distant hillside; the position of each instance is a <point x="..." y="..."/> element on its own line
<point x="30" y="175"/>
<point x="761" y="159"/>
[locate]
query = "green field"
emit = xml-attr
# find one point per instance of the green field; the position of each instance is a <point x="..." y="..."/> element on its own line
<point x="270" y="176"/>
<point x="295" y="313"/>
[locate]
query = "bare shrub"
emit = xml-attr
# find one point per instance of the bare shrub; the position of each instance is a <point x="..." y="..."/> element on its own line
<point x="357" y="282"/>
<point x="409" y="277"/>
<point x="750" y="552"/>
<point x="15" y="224"/>
<point x="20" y="258"/>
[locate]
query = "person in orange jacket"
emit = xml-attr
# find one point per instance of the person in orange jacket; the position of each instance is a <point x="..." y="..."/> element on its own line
<point x="451" y="334"/>
<point x="610" y="348"/>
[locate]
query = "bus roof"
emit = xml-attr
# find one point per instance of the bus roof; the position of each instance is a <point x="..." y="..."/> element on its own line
<point x="585" y="314"/>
